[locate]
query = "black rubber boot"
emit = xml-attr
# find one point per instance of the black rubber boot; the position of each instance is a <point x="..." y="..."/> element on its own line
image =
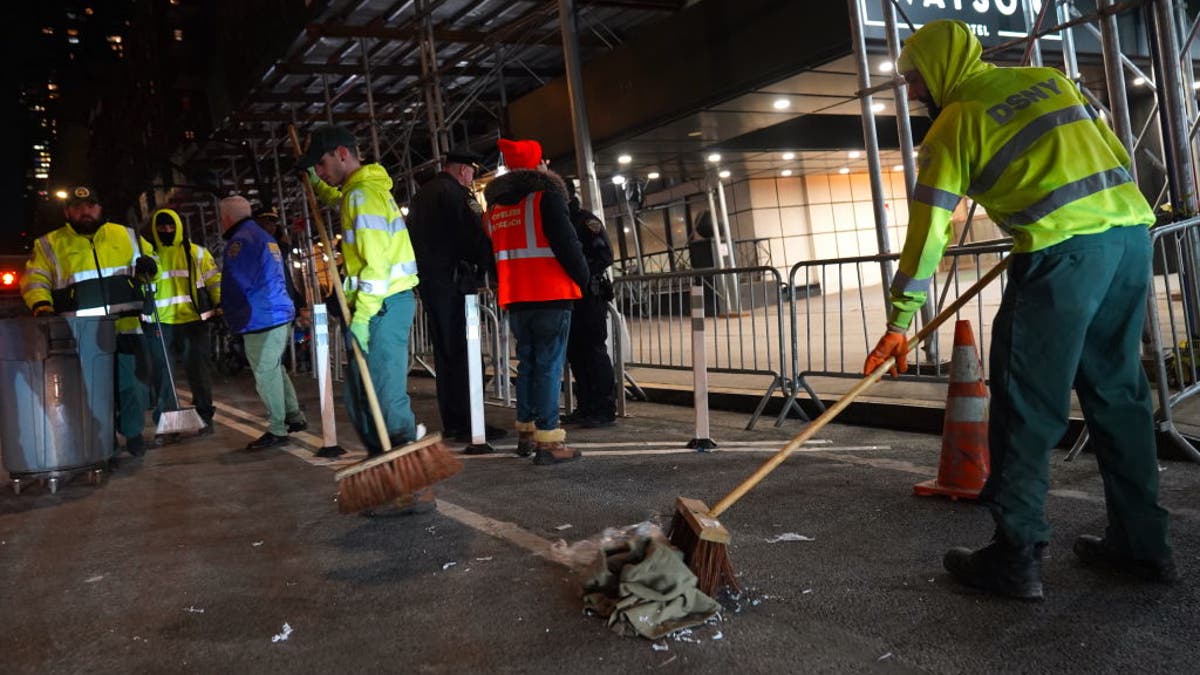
<point x="1096" y="551"/>
<point x="1000" y="568"/>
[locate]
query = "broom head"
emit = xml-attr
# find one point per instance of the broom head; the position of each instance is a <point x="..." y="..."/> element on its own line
<point x="181" y="421"/>
<point x="704" y="542"/>
<point x="395" y="474"/>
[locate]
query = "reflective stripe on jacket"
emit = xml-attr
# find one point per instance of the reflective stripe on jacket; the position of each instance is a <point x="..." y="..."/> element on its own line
<point x="526" y="267"/>
<point x="182" y="283"/>
<point x="376" y="246"/>
<point x="1023" y="143"/>
<point x="88" y="276"/>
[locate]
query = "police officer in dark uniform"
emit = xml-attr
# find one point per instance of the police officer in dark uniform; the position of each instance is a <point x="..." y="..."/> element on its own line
<point x="452" y="252"/>
<point x="587" y="351"/>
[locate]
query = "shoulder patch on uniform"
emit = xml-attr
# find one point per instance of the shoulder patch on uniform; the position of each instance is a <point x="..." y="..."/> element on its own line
<point x="274" y="249"/>
<point x="594" y="225"/>
<point x="233" y="249"/>
<point x="474" y="205"/>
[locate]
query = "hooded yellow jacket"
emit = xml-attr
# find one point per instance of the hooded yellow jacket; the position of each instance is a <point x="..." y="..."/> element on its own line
<point x="188" y="286"/>
<point x="1022" y="142"/>
<point x="376" y="246"/>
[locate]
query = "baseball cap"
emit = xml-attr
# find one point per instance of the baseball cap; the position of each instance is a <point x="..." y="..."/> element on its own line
<point x="325" y="139"/>
<point x="82" y="193"/>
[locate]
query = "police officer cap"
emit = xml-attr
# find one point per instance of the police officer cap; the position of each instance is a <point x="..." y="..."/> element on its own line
<point x="464" y="156"/>
<point x="80" y="194"/>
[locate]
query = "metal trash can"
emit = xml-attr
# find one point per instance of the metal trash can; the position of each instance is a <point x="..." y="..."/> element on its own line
<point x="57" y="393"/>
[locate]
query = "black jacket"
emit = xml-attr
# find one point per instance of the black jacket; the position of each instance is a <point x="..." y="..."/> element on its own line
<point x="445" y="227"/>
<point x="514" y="186"/>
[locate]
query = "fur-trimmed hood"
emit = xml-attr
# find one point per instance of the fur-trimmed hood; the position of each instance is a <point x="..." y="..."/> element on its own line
<point x="515" y="185"/>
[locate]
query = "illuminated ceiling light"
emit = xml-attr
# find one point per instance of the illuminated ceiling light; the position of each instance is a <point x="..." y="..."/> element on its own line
<point x="714" y="157"/>
<point x="618" y="179"/>
<point x="789" y="156"/>
<point x="855" y="154"/>
<point x="404" y="210"/>
<point x="61" y="194"/>
<point x="694" y="134"/>
<point x="724" y="174"/>
<point x="1139" y="81"/>
<point x="886" y="67"/>
<point x="653" y="175"/>
<point x="898" y="167"/>
<point x="878" y="107"/>
<point x="624" y="159"/>
<point x="501" y="170"/>
<point x="781" y="104"/>
<point x="626" y="229"/>
<point x="1196" y="85"/>
<point x="915" y="153"/>
<point x="785" y="172"/>
<point x="844" y="170"/>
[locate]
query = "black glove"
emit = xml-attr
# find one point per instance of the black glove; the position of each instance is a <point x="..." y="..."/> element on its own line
<point x="146" y="267"/>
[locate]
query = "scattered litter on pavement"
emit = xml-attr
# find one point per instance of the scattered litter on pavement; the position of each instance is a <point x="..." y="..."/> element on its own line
<point x="194" y="610"/>
<point x="257" y="543"/>
<point x="789" y="536"/>
<point x="448" y="565"/>
<point x="483" y="559"/>
<point x="659" y="646"/>
<point x="92" y="580"/>
<point x="885" y="657"/>
<point x="664" y="663"/>
<point x="806" y="591"/>
<point x="684" y="635"/>
<point x="138" y="637"/>
<point x="564" y="526"/>
<point x="284" y="634"/>
<point x="718" y="636"/>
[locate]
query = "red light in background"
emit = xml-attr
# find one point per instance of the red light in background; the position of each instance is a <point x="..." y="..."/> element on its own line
<point x="8" y="278"/>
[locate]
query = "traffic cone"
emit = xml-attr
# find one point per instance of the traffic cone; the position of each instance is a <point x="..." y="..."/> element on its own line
<point x="964" y="464"/>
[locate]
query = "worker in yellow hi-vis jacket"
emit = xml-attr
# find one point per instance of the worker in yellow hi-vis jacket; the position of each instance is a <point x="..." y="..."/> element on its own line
<point x="1025" y="144"/>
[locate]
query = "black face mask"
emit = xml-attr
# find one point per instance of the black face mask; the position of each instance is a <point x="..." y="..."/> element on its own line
<point x="86" y="227"/>
<point x="930" y="107"/>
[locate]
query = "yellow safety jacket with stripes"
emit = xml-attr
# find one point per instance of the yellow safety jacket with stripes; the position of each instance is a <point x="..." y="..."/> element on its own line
<point x="82" y="275"/>
<point x="188" y="287"/>
<point x="376" y="246"/>
<point x="1022" y="142"/>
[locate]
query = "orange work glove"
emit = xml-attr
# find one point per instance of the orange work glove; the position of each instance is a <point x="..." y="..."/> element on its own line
<point x="891" y="344"/>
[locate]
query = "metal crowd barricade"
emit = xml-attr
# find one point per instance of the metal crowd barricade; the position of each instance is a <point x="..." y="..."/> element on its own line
<point x="838" y="308"/>
<point x="1173" y="323"/>
<point x="745" y="329"/>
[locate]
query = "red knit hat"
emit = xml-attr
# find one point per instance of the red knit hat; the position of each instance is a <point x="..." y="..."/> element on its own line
<point x="520" y="154"/>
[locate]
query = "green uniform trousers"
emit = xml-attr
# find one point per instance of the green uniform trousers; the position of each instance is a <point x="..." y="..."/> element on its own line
<point x="387" y="361"/>
<point x="133" y="390"/>
<point x="189" y="341"/>
<point x="264" y="351"/>
<point x="1073" y="314"/>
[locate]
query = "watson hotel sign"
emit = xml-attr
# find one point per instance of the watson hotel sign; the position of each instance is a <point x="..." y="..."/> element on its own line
<point x="994" y="21"/>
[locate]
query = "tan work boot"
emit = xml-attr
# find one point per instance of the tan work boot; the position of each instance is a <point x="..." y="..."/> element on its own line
<point x="525" y="443"/>
<point x="552" y="447"/>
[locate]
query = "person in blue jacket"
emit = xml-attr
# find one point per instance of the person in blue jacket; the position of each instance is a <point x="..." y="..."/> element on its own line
<point x="256" y="305"/>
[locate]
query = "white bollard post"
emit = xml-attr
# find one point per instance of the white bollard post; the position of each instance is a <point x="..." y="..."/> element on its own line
<point x="702" y="442"/>
<point x="330" y="447"/>
<point x="479" y="444"/>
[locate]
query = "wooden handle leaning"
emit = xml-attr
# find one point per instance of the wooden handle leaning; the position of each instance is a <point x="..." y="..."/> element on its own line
<point x="863" y="384"/>
<point x="385" y="442"/>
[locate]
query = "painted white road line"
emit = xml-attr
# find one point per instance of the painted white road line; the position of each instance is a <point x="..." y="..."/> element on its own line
<point x="597" y="453"/>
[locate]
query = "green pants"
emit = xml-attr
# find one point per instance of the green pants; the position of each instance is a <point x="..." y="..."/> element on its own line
<point x="189" y="341"/>
<point x="264" y="351"/>
<point x="387" y="361"/>
<point x="133" y="390"/>
<point x="1073" y="314"/>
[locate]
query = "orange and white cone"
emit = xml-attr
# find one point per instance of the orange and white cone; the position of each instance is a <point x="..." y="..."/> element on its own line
<point x="964" y="466"/>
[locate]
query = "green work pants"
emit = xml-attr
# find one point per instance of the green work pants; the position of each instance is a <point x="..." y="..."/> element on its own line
<point x="133" y="390"/>
<point x="1073" y="314"/>
<point x="387" y="362"/>
<point x="189" y="341"/>
<point x="264" y="351"/>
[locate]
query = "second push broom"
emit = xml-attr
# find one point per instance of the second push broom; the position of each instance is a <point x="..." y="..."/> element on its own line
<point x="395" y="474"/>
<point x="702" y="538"/>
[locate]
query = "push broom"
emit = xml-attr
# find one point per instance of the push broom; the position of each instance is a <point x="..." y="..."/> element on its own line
<point x="174" y="420"/>
<point x="695" y="529"/>
<point x="395" y="473"/>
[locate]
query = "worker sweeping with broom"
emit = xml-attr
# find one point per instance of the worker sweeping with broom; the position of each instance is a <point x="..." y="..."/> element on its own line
<point x="1026" y="145"/>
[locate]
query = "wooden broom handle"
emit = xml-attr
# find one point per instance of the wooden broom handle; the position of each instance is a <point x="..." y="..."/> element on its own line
<point x="385" y="442"/>
<point x="863" y="384"/>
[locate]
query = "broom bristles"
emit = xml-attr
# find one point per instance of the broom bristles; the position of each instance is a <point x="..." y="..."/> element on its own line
<point x="705" y="546"/>
<point x="388" y="477"/>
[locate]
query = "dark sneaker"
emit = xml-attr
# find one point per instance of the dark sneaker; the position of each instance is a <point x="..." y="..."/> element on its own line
<point x="293" y="427"/>
<point x="267" y="440"/>
<point x="330" y="452"/>
<point x="479" y="449"/>
<point x="1095" y="551"/>
<point x="555" y="453"/>
<point x="164" y="439"/>
<point x="572" y="418"/>
<point x="1000" y="568"/>
<point x="136" y="446"/>
<point x="490" y="433"/>
<point x="207" y="429"/>
<point x="597" y="422"/>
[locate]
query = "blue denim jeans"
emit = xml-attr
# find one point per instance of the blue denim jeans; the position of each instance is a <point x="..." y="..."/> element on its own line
<point x="541" y="336"/>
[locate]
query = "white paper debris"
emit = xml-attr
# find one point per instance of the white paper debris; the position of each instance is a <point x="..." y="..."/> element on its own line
<point x="483" y="559"/>
<point x="885" y="657"/>
<point x="92" y="580"/>
<point x="718" y="636"/>
<point x="194" y="610"/>
<point x="564" y="526"/>
<point x="284" y="634"/>
<point x="789" y="536"/>
<point x="449" y="565"/>
<point x="257" y="543"/>
<point x="659" y="646"/>
<point x="806" y="591"/>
